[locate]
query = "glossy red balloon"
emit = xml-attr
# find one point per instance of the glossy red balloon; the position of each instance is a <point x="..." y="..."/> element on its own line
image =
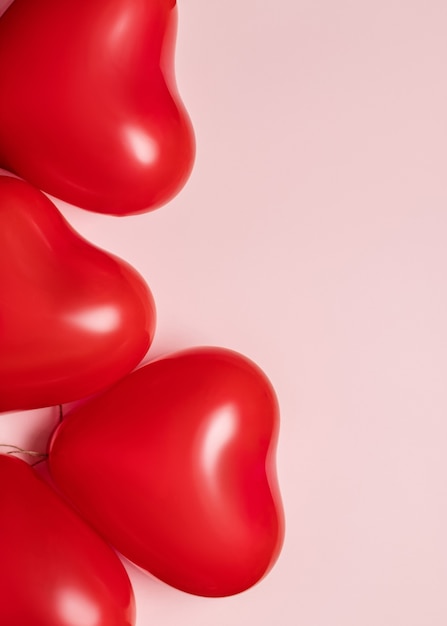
<point x="175" y="466"/>
<point x="55" y="570"/>
<point x="89" y="110"/>
<point x="73" y="319"/>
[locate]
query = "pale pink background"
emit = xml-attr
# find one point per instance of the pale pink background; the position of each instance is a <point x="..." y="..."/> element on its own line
<point x="312" y="237"/>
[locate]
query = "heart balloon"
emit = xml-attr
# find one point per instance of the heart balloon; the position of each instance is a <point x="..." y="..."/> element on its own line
<point x="55" y="570"/>
<point x="89" y="110"/>
<point x="175" y="467"/>
<point x="73" y="319"/>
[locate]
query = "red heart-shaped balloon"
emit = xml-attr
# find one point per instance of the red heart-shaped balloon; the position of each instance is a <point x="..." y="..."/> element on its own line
<point x="56" y="571"/>
<point x="73" y="319"/>
<point x="175" y="466"/>
<point x="89" y="110"/>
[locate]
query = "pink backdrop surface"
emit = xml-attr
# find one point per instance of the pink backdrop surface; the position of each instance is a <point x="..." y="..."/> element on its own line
<point x="312" y="238"/>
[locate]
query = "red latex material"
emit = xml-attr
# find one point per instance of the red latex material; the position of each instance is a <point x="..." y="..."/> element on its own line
<point x="73" y="319"/>
<point x="175" y="467"/>
<point x="89" y="110"/>
<point x="55" y="570"/>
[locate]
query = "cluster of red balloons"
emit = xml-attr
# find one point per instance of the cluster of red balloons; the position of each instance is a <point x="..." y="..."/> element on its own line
<point x="172" y="464"/>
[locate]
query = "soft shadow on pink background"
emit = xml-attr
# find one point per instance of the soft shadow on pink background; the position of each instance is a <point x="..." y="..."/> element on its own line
<point x="311" y="237"/>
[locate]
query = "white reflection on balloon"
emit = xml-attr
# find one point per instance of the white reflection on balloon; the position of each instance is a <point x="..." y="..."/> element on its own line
<point x="4" y="5"/>
<point x="119" y="28"/>
<point x="141" y="144"/>
<point x="221" y="430"/>
<point x="76" y="609"/>
<point x="102" y="319"/>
